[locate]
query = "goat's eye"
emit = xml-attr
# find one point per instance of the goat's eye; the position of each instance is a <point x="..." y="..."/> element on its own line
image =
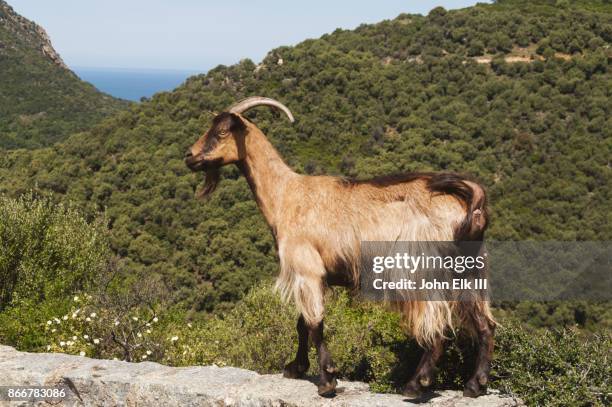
<point x="223" y="133"/>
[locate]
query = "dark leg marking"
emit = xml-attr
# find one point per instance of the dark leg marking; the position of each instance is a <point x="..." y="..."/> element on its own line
<point x="477" y="384"/>
<point x="424" y="375"/>
<point x="299" y="366"/>
<point x="327" y="368"/>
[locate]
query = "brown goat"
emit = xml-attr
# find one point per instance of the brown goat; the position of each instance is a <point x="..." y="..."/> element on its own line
<point x="319" y="222"/>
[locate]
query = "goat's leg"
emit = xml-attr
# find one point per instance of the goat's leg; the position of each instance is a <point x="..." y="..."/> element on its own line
<point x="304" y="264"/>
<point x="424" y="375"/>
<point x="478" y="382"/>
<point x="299" y="366"/>
<point x="327" y="368"/>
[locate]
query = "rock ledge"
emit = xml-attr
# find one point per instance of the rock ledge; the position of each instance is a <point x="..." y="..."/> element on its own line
<point x="92" y="382"/>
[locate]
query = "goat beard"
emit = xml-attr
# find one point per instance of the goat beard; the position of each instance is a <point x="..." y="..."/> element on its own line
<point x="211" y="180"/>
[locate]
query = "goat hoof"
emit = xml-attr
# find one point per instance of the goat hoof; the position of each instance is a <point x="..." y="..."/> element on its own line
<point x="473" y="389"/>
<point x="412" y="391"/>
<point x="425" y="381"/>
<point x="327" y="389"/>
<point x="295" y="370"/>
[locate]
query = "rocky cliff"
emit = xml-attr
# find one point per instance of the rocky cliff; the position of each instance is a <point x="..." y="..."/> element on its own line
<point x="92" y="382"/>
<point x="41" y="100"/>
<point x="26" y="33"/>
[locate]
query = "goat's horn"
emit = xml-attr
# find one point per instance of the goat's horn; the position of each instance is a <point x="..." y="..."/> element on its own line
<point x="253" y="101"/>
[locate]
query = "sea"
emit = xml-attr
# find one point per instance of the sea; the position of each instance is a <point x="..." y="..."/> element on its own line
<point x="133" y="84"/>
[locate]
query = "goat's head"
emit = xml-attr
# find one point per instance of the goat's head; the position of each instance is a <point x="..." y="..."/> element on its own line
<point x="224" y="142"/>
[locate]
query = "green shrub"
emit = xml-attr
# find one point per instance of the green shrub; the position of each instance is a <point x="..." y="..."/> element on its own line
<point x="541" y="367"/>
<point x="367" y="343"/>
<point x="49" y="252"/>
<point x="87" y="329"/>
<point x="554" y="367"/>
<point x="260" y="334"/>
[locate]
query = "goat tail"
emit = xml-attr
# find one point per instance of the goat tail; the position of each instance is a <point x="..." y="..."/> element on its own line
<point x="477" y="217"/>
<point x="472" y="195"/>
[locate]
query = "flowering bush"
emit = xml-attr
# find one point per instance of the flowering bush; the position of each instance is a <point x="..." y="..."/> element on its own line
<point x="367" y="343"/>
<point x="120" y="317"/>
<point x="90" y="330"/>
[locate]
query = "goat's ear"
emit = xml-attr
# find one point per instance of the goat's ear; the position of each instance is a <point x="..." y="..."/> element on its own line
<point x="236" y="124"/>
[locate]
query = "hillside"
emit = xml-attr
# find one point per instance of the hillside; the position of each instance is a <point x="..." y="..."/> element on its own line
<point x="41" y="100"/>
<point x="401" y="95"/>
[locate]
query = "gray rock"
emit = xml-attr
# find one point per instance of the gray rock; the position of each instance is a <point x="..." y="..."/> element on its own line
<point x="91" y="382"/>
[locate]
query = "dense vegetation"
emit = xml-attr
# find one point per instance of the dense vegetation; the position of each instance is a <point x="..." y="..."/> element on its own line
<point x="48" y="253"/>
<point x="401" y="95"/>
<point x="80" y="305"/>
<point x="516" y="93"/>
<point x="41" y="101"/>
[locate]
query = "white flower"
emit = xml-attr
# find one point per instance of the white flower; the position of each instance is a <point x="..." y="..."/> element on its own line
<point x="189" y="324"/>
<point x="174" y="338"/>
<point x="96" y="341"/>
<point x="139" y="335"/>
<point x="86" y="336"/>
<point x="57" y="321"/>
<point x="62" y="343"/>
<point x="149" y="352"/>
<point x="116" y="323"/>
<point x="53" y="330"/>
<point x="65" y="317"/>
<point x="69" y="343"/>
<point x="155" y="319"/>
<point x="74" y="315"/>
<point x="148" y="331"/>
<point x="49" y="322"/>
<point x="144" y="357"/>
<point x="115" y="359"/>
<point x="48" y="347"/>
<point x="82" y="353"/>
<point x="93" y="315"/>
<point x="135" y="318"/>
<point x="88" y="319"/>
<point x="76" y="298"/>
<point x="74" y="338"/>
<point x="148" y="324"/>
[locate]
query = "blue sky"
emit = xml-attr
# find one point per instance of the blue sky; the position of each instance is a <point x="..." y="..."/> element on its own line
<point x="197" y="35"/>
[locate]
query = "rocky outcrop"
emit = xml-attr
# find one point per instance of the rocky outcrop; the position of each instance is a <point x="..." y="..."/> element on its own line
<point x="48" y="50"/>
<point x="28" y="33"/>
<point x="92" y="382"/>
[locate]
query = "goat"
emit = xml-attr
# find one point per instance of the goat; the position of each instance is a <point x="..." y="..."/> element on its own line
<point x="318" y="223"/>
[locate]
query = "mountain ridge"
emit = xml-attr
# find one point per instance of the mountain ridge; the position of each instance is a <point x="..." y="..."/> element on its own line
<point x="30" y="32"/>
<point x="515" y="126"/>
<point x="41" y="100"/>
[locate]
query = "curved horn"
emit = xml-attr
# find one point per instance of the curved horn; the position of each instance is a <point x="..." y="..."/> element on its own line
<point x="253" y="101"/>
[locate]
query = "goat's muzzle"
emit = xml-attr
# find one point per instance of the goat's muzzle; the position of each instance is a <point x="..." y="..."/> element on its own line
<point x="194" y="163"/>
<point x="200" y="162"/>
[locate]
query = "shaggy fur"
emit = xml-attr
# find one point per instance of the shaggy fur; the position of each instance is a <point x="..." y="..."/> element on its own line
<point x="319" y="223"/>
